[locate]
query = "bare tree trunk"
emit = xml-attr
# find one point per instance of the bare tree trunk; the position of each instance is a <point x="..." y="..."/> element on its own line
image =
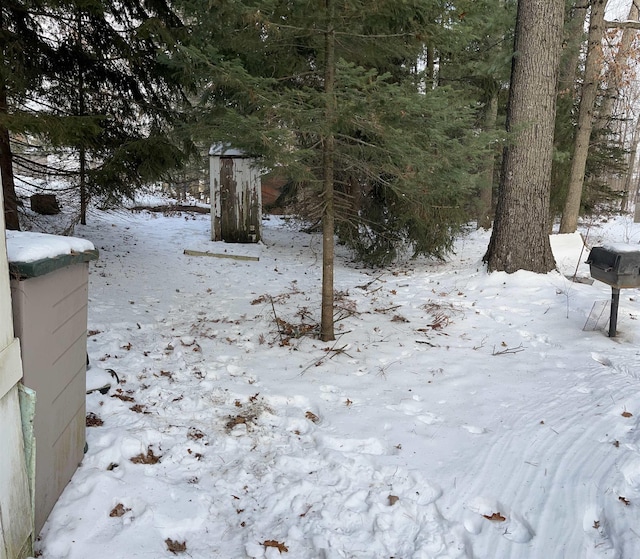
<point x="520" y="239"/>
<point x="573" y="37"/>
<point x="485" y="206"/>
<point x="6" y="169"/>
<point x="593" y="66"/>
<point x="615" y="74"/>
<point x="82" y="152"/>
<point x="636" y="211"/>
<point x="431" y="65"/>
<point x="628" y="194"/>
<point x="328" y="214"/>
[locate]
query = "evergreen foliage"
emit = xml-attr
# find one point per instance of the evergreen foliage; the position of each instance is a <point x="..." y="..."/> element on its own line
<point x="404" y="152"/>
<point x="103" y="98"/>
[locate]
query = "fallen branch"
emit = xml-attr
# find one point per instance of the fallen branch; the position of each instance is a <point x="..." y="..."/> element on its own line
<point x="275" y="316"/>
<point x="508" y="350"/>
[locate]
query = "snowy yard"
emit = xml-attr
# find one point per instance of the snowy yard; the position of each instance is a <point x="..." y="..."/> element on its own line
<point x="457" y="415"/>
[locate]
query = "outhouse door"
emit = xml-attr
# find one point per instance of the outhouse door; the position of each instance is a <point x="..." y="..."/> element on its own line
<point x="16" y="518"/>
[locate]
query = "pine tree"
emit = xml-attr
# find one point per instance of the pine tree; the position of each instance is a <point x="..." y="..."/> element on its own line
<point x="481" y="65"/>
<point x="331" y="92"/>
<point x="24" y="59"/>
<point x="104" y="97"/>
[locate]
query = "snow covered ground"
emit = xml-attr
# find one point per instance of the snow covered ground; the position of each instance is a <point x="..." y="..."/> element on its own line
<point x="457" y="415"/>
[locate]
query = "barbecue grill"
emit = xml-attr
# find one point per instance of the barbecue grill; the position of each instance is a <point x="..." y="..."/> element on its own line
<point x="619" y="267"/>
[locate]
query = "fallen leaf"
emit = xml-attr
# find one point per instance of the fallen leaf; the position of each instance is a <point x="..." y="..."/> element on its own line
<point x="278" y="545"/>
<point x="627" y="414"/>
<point x="118" y="511"/>
<point x="148" y="458"/>
<point x="596" y="524"/>
<point x="312" y="416"/>
<point x="93" y="420"/>
<point x="175" y="546"/>
<point x="496" y="517"/>
<point x="624" y="500"/>
<point x="138" y="408"/>
<point x="393" y="499"/>
<point x="237" y="420"/>
<point x="124" y="397"/>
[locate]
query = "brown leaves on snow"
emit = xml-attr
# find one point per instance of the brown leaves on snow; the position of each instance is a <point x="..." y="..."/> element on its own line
<point x="148" y="458"/>
<point x="281" y="547"/>
<point x="118" y="511"/>
<point x="93" y="420"/>
<point x="495" y="517"/>
<point x="175" y="547"/>
<point x="312" y="417"/>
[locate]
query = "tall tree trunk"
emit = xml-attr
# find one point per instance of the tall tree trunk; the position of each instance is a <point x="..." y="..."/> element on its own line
<point x="485" y="205"/>
<point x="628" y="193"/>
<point x="615" y="74"/>
<point x="573" y="38"/>
<point x="520" y="239"/>
<point x="328" y="150"/>
<point x="431" y="65"/>
<point x="6" y="158"/>
<point x="6" y="168"/>
<point x="593" y="66"/>
<point x="82" y="152"/>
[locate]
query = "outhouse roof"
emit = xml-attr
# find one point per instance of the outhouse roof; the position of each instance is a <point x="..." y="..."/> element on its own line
<point x="225" y="150"/>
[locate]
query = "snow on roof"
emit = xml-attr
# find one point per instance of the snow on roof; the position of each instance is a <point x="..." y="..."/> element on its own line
<point x="26" y="246"/>
<point x="226" y="150"/>
<point x="621" y="247"/>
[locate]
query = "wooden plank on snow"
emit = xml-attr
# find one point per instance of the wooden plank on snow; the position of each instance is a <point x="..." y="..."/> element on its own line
<point x="189" y="252"/>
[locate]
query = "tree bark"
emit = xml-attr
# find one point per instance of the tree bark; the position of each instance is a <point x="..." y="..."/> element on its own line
<point x="6" y="169"/>
<point x="628" y="195"/>
<point x="485" y="205"/>
<point x="593" y="66"/>
<point x="328" y="149"/>
<point x="573" y="38"/>
<point x="615" y="74"/>
<point x="82" y="152"/>
<point x="520" y="239"/>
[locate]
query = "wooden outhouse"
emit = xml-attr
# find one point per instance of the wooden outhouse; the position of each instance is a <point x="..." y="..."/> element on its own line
<point x="236" y="196"/>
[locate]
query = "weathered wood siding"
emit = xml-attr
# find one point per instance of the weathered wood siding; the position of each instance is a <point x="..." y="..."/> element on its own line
<point x="236" y="200"/>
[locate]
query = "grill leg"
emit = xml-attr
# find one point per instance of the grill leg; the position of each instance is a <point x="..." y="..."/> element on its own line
<point x="613" y="318"/>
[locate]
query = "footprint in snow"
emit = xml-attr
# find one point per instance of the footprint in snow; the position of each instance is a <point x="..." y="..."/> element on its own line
<point x="596" y="529"/>
<point x="603" y="360"/>
<point x="474" y="429"/>
<point x="482" y="512"/>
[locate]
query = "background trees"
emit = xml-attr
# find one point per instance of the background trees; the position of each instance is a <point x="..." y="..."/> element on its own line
<point x="94" y="91"/>
<point x="386" y="116"/>
<point x="336" y="95"/>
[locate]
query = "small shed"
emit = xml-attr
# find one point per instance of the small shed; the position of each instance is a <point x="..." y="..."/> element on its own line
<point x="49" y="278"/>
<point x="236" y="196"/>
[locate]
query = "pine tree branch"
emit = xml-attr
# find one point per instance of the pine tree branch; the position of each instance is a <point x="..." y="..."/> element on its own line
<point x="321" y="31"/>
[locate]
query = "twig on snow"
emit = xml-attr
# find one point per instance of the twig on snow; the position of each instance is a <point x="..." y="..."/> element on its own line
<point x="508" y="350"/>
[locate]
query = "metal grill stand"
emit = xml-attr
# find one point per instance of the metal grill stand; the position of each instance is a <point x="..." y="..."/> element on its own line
<point x="619" y="267"/>
<point x="613" y="317"/>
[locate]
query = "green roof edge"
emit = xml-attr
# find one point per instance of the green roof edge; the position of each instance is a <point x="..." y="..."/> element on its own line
<point x="26" y="270"/>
